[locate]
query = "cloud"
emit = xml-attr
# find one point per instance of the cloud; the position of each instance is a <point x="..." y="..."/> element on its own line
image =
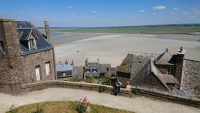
<point x="153" y="13"/>
<point x="94" y="11"/>
<point x="194" y="8"/>
<point x="68" y="7"/>
<point x="141" y="11"/>
<point x="193" y="16"/>
<point x="73" y="13"/>
<point x="159" y="7"/>
<point x="195" y="11"/>
<point x="176" y="8"/>
<point x="172" y="13"/>
<point x="186" y="13"/>
<point x="79" y="17"/>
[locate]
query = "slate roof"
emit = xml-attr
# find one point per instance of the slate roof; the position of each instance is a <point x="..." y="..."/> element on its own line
<point x="24" y="29"/>
<point x="92" y="65"/>
<point x="64" y="67"/>
<point x="103" y="67"/>
<point x="164" y="78"/>
<point x="164" y="59"/>
<point x="134" y="62"/>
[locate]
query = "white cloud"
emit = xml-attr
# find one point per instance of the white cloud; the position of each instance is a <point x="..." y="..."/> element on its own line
<point x="195" y="11"/>
<point x="172" y="13"/>
<point x="176" y="8"/>
<point x="141" y="11"/>
<point x="153" y="13"/>
<point x="68" y="7"/>
<point x="193" y="16"/>
<point x="186" y="13"/>
<point x="159" y="7"/>
<point x="73" y="13"/>
<point x="194" y="8"/>
<point x="79" y="17"/>
<point x="94" y="11"/>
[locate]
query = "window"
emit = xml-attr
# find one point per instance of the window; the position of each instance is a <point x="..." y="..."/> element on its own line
<point x="37" y="72"/>
<point x="1" y="85"/>
<point x="170" y="70"/>
<point x="32" y="42"/>
<point x="63" y="74"/>
<point x="47" y="66"/>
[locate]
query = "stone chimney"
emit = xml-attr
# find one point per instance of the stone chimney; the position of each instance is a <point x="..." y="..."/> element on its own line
<point x="86" y="62"/>
<point x="66" y="62"/>
<point x="179" y="65"/>
<point x="47" y="30"/>
<point x="8" y="29"/>
<point x="72" y="62"/>
<point x="12" y="65"/>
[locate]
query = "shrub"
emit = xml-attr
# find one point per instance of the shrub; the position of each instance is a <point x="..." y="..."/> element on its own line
<point x="73" y="79"/>
<point x="106" y="81"/>
<point x="82" y="105"/>
<point x="90" y="79"/>
<point x="135" y="92"/>
<point x="39" y="110"/>
<point x="102" y="89"/>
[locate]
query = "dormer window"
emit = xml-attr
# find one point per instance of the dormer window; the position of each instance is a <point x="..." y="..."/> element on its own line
<point x="170" y="70"/>
<point x="32" y="41"/>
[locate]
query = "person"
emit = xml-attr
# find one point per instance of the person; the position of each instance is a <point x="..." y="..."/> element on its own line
<point x="116" y="88"/>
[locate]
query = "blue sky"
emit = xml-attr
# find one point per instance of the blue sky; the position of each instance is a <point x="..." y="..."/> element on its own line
<point x="98" y="13"/>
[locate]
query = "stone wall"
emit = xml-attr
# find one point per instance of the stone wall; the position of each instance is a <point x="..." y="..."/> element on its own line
<point x="65" y="84"/>
<point x="169" y="97"/>
<point x="124" y="78"/>
<point x="191" y="78"/>
<point x="95" y="87"/>
<point x="32" y="60"/>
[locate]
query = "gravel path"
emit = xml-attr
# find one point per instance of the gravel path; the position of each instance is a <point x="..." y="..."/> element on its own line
<point x="136" y="104"/>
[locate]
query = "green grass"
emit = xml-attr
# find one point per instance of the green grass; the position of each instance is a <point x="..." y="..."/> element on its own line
<point x="64" y="107"/>
<point x="142" y="30"/>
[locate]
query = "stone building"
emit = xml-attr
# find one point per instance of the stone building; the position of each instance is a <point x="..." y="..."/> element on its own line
<point x="26" y="55"/>
<point x="161" y="73"/>
<point x="96" y="69"/>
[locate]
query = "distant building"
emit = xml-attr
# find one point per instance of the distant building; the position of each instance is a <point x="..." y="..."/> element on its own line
<point x="161" y="72"/>
<point x="96" y="69"/>
<point x="64" y="70"/>
<point x="26" y="55"/>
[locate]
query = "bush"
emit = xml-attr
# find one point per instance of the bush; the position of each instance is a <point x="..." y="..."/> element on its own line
<point x="106" y="81"/>
<point x="135" y="92"/>
<point x="82" y="105"/>
<point x="39" y="110"/>
<point x="102" y="89"/>
<point x="90" y="79"/>
<point x="73" y="79"/>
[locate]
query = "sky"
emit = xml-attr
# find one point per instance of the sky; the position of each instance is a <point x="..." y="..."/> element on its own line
<point x="101" y="13"/>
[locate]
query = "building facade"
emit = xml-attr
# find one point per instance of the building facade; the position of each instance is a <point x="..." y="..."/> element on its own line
<point x="26" y="55"/>
<point x="161" y="73"/>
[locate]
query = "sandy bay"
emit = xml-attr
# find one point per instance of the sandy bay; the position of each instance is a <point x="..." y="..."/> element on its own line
<point x="112" y="48"/>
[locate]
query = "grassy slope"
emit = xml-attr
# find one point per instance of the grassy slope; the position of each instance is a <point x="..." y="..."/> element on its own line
<point x="132" y="30"/>
<point x="64" y="107"/>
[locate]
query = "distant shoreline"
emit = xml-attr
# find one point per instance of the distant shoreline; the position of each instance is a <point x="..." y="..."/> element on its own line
<point x="189" y="30"/>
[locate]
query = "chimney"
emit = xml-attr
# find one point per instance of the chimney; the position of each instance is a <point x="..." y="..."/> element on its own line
<point x="66" y="62"/>
<point x="86" y="62"/>
<point x="179" y="65"/>
<point x="47" y="30"/>
<point x="8" y="29"/>
<point x="72" y="62"/>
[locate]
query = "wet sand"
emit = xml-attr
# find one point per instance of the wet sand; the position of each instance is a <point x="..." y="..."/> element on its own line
<point x="112" y="48"/>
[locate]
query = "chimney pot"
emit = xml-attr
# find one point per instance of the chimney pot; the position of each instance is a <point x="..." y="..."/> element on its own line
<point x="47" y="30"/>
